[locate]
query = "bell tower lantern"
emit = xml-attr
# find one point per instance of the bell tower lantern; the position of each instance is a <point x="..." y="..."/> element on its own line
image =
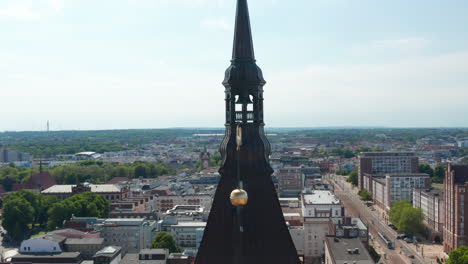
<point x="246" y="224"/>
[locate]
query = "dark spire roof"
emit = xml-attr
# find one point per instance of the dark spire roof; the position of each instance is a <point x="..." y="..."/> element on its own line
<point x="243" y="45"/>
<point x="243" y="71"/>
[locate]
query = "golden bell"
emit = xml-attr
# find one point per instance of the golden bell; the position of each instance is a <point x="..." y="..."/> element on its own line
<point x="239" y="197"/>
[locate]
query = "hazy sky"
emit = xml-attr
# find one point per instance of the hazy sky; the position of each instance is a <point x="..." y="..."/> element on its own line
<point x="108" y="64"/>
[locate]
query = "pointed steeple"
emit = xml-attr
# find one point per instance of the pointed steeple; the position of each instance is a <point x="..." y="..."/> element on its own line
<point x="243" y="45"/>
<point x="256" y="232"/>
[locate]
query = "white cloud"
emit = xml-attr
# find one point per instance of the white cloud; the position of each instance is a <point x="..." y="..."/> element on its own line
<point x="216" y="23"/>
<point x="409" y="43"/>
<point x="29" y="10"/>
<point x="398" y="47"/>
<point x="56" y="5"/>
<point x="19" y="12"/>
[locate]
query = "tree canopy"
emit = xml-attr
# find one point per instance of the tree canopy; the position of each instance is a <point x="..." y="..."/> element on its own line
<point x="365" y="195"/>
<point x="17" y="215"/>
<point x="30" y="206"/>
<point x="85" y="204"/>
<point x="11" y="175"/>
<point x="439" y="173"/>
<point x="101" y="172"/>
<point x="458" y="256"/>
<point x="425" y="168"/>
<point x="406" y="218"/>
<point x="165" y="240"/>
<point x="86" y="171"/>
<point x="353" y="177"/>
<point x="343" y="153"/>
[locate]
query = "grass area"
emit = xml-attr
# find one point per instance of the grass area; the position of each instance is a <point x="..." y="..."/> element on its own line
<point x="439" y="186"/>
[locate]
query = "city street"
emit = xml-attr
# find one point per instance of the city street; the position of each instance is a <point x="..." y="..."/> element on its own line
<point x="355" y="207"/>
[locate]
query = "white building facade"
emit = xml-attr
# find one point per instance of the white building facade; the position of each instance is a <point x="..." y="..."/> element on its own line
<point x="431" y="202"/>
<point x="132" y="235"/>
<point x="188" y="234"/>
<point x="166" y="202"/>
<point x="318" y="208"/>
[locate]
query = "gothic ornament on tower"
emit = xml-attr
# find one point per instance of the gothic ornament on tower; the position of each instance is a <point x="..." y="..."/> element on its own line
<point x="246" y="224"/>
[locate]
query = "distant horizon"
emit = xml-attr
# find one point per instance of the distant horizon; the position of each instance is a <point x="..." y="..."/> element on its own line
<point x="222" y="128"/>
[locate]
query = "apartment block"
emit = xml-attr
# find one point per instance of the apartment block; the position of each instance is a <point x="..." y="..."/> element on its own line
<point x="392" y="187"/>
<point x="291" y="181"/>
<point x="385" y="162"/>
<point x="132" y="235"/>
<point x="431" y="202"/>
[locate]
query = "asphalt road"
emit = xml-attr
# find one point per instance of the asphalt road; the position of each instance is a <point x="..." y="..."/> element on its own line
<point x="355" y="207"/>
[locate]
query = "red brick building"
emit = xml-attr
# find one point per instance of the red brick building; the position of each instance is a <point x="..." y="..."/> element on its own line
<point x="455" y="188"/>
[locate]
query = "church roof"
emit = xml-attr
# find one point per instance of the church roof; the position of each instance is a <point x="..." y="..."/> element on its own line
<point x="42" y="180"/>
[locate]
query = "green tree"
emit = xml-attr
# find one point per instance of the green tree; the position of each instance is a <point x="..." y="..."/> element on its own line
<point x="45" y="204"/>
<point x="17" y="215"/>
<point x="396" y="209"/>
<point x="439" y="173"/>
<point x="34" y="199"/>
<point x="458" y="256"/>
<point x="425" y="168"/>
<point x="85" y="204"/>
<point x="406" y="218"/>
<point x="140" y="171"/>
<point x="58" y="213"/>
<point x="411" y="220"/>
<point x="165" y="240"/>
<point x="365" y="195"/>
<point x="216" y="160"/>
<point x="353" y="177"/>
<point x="344" y="153"/>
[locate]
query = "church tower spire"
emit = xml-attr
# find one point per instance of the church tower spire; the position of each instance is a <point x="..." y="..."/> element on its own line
<point x="252" y="231"/>
<point x="243" y="44"/>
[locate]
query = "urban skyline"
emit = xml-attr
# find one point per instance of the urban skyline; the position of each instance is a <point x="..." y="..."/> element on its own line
<point x="255" y="194"/>
<point x="393" y="64"/>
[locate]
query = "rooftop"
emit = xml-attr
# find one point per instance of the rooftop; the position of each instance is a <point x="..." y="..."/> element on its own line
<point x="431" y="192"/>
<point x="384" y="154"/>
<point x="17" y="257"/>
<point x="84" y="241"/>
<point x="153" y="251"/>
<point x="51" y="237"/>
<point x="130" y="259"/>
<point x="461" y="173"/>
<point x="191" y="224"/>
<point x="126" y="221"/>
<point x="407" y="175"/>
<point x="348" y="250"/>
<point x="108" y="251"/>
<point x="96" y="188"/>
<point x="320" y="197"/>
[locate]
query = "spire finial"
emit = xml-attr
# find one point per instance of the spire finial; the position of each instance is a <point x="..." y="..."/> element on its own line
<point x="243" y="45"/>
